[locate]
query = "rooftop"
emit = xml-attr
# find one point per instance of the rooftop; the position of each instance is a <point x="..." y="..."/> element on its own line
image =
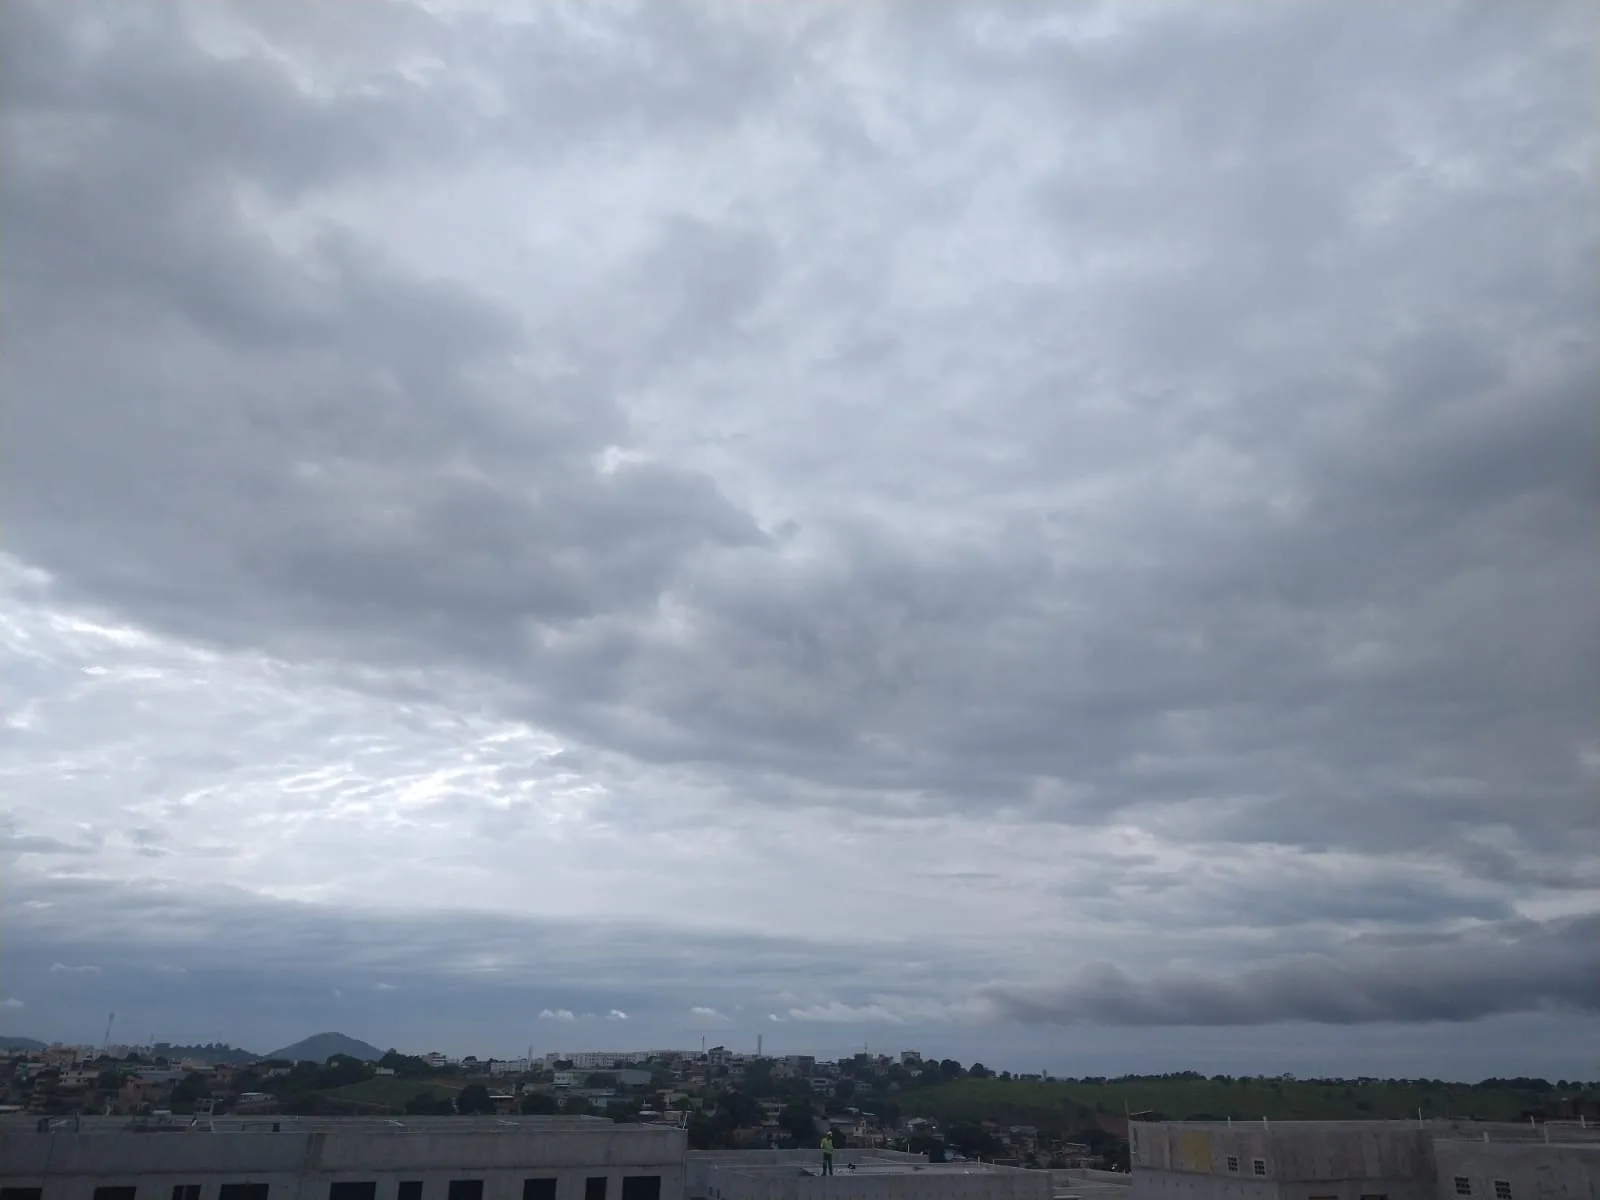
<point x="27" y="1123"/>
<point x="879" y="1167"/>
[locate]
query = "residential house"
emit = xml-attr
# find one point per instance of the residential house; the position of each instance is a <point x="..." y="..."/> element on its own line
<point x="138" y="1090"/>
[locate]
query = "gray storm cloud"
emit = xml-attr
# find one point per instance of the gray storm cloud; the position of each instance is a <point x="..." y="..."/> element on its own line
<point x="1507" y="968"/>
<point x="1068" y="483"/>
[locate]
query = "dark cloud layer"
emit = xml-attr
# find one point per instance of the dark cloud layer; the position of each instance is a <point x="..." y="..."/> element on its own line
<point x="1514" y="966"/>
<point x="1160" y="439"/>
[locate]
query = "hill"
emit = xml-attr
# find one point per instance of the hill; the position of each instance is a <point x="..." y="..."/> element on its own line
<point x="1071" y="1104"/>
<point x="320" y="1047"/>
<point x="21" y="1043"/>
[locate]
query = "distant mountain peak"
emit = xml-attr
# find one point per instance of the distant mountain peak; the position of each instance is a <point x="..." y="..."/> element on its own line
<point x="320" y="1047"/>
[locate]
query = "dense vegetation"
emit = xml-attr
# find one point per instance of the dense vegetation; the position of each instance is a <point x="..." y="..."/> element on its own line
<point x="1061" y="1106"/>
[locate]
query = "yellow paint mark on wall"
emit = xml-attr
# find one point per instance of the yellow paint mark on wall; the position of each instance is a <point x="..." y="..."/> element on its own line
<point x="1194" y="1152"/>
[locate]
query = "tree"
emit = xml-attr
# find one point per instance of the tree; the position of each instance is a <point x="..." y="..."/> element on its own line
<point x="844" y="1089"/>
<point x="702" y="1134"/>
<point x="405" y="1066"/>
<point x="974" y="1141"/>
<point x="925" y="1143"/>
<point x="576" y="1106"/>
<point x="949" y="1068"/>
<point x="189" y="1089"/>
<point x="539" y="1104"/>
<point x="978" y="1071"/>
<point x="758" y="1077"/>
<point x="339" y="1071"/>
<point x="742" y="1110"/>
<point x="798" y="1122"/>
<point x="474" y="1098"/>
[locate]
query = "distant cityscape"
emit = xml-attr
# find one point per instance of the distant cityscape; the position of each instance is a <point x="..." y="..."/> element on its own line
<point x="907" y="1101"/>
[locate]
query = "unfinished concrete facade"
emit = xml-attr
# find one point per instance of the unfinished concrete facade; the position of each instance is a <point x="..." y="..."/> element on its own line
<point x="1477" y="1170"/>
<point x="1349" y="1160"/>
<point x="419" y="1159"/>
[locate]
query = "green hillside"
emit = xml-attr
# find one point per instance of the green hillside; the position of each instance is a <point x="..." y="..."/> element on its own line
<point x="1065" y="1106"/>
<point x="390" y="1092"/>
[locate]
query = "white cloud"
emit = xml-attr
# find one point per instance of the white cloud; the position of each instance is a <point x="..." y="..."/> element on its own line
<point x="836" y="1013"/>
<point x="616" y="1014"/>
<point x="774" y="1017"/>
<point x="387" y="987"/>
<point x="709" y="1014"/>
<point x="11" y="1002"/>
<point x="61" y="968"/>
<point x="557" y="1014"/>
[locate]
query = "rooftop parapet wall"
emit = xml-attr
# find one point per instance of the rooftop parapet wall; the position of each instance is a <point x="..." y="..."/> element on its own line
<point x="1529" y="1170"/>
<point x="327" y="1152"/>
<point x="1308" y="1151"/>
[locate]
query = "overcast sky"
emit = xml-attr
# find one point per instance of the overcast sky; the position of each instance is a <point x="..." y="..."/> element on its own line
<point x="1050" y="533"/>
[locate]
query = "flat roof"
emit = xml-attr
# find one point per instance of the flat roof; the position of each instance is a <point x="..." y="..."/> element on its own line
<point x="880" y="1167"/>
<point x="27" y="1123"/>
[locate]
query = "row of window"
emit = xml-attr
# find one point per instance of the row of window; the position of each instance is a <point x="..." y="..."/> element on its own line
<point x="1258" y="1166"/>
<point x="634" y="1187"/>
<point x="1502" y="1188"/>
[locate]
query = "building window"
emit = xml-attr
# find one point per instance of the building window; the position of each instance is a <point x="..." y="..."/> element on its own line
<point x="186" y="1191"/>
<point x="466" y="1189"/>
<point x="350" y="1190"/>
<point x="409" y="1189"/>
<point x="594" y="1188"/>
<point x="115" y="1193"/>
<point x="641" y="1187"/>
<point x="1374" y="1196"/>
<point x="1259" y="1166"/>
<point x="1463" y="1186"/>
<point x="1502" y="1189"/>
<point x="21" y="1193"/>
<point x="1233" y="1162"/>
<point x="242" y="1191"/>
<point x="538" y="1189"/>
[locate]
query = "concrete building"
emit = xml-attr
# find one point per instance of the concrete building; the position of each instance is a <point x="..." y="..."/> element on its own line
<point x="860" y="1175"/>
<point x="420" y="1158"/>
<point x="1528" y="1170"/>
<point x="1357" y="1160"/>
